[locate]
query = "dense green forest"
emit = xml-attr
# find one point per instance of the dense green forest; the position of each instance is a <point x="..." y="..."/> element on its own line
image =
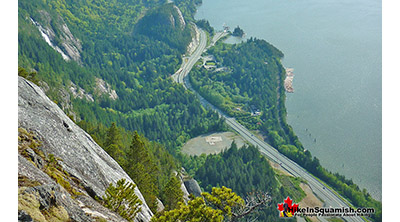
<point x="243" y="170"/>
<point x="249" y="86"/>
<point x="132" y="46"/>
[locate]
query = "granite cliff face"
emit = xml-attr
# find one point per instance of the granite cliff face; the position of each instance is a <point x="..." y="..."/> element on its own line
<point x="58" y="36"/>
<point x="88" y="167"/>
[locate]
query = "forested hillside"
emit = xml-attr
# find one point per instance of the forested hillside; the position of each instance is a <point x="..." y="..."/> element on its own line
<point x="245" y="171"/>
<point x="133" y="46"/>
<point x="247" y="83"/>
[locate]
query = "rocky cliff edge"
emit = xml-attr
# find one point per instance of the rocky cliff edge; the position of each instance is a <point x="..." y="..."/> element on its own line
<point x="89" y="168"/>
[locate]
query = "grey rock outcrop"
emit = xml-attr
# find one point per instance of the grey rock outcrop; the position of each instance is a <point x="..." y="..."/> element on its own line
<point x="48" y="194"/>
<point x="81" y="157"/>
<point x="181" y="176"/>
<point x="79" y="92"/>
<point x="52" y="28"/>
<point x="193" y="187"/>
<point x="24" y="216"/>
<point x="53" y="194"/>
<point x="181" y="20"/>
<point x="104" y="88"/>
<point x="188" y="185"/>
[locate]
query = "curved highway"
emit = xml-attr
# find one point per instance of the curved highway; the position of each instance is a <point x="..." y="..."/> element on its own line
<point x="329" y="198"/>
<point x="188" y="62"/>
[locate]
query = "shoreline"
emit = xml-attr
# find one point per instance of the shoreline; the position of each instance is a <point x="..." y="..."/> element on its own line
<point x="288" y="86"/>
<point x="288" y="83"/>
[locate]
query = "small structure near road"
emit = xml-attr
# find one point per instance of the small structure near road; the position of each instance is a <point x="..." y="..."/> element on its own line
<point x="226" y="27"/>
<point x="254" y="110"/>
<point x="209" y="62"/>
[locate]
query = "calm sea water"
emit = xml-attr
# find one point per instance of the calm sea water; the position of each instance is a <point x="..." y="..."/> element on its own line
<point x="334" y="47"/>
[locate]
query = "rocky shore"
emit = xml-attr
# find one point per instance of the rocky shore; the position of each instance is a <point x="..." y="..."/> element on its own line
<point x="289" y="80"/>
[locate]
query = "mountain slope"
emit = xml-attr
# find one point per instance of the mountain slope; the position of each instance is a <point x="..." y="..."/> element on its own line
<point x="88" y="167"/>
<point x="114" y="45"/>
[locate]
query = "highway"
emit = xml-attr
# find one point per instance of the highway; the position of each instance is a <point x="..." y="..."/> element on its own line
<point x="329" y="198"/>
<point x="188" y="62"/>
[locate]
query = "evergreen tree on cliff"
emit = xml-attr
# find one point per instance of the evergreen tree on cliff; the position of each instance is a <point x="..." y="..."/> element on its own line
<point x="141" y="168"/>
<point x="122" y="199"/>
<point x="113" y="145"/>
<point x="172" y="194"/>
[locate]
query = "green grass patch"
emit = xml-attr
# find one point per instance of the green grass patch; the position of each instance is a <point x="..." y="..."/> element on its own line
<point x="292" y="186"/>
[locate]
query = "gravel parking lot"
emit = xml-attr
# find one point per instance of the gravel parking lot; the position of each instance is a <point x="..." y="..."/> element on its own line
<point x="211" y="143"/>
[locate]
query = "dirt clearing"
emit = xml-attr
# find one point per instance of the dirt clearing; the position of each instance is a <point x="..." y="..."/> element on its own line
<point x="211" y="143"/>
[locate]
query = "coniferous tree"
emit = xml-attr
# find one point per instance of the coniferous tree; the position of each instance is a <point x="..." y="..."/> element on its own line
<point x="172" y="194"/>
<point x="122" y="199"/>
<point x="31" y="76"/>
<point x="195" y="210"/>
<point x="220" y="205"/>
<point x="142" y="170"/>
<point x="113" y="145"/>
<point x="137" y="152"/>
<point x="113" y="136"/>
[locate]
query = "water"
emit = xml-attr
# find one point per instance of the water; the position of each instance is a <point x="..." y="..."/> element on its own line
<point x="335" y="48"/>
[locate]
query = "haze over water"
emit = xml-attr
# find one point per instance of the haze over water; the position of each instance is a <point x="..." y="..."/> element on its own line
<point x="334" y="47"/>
